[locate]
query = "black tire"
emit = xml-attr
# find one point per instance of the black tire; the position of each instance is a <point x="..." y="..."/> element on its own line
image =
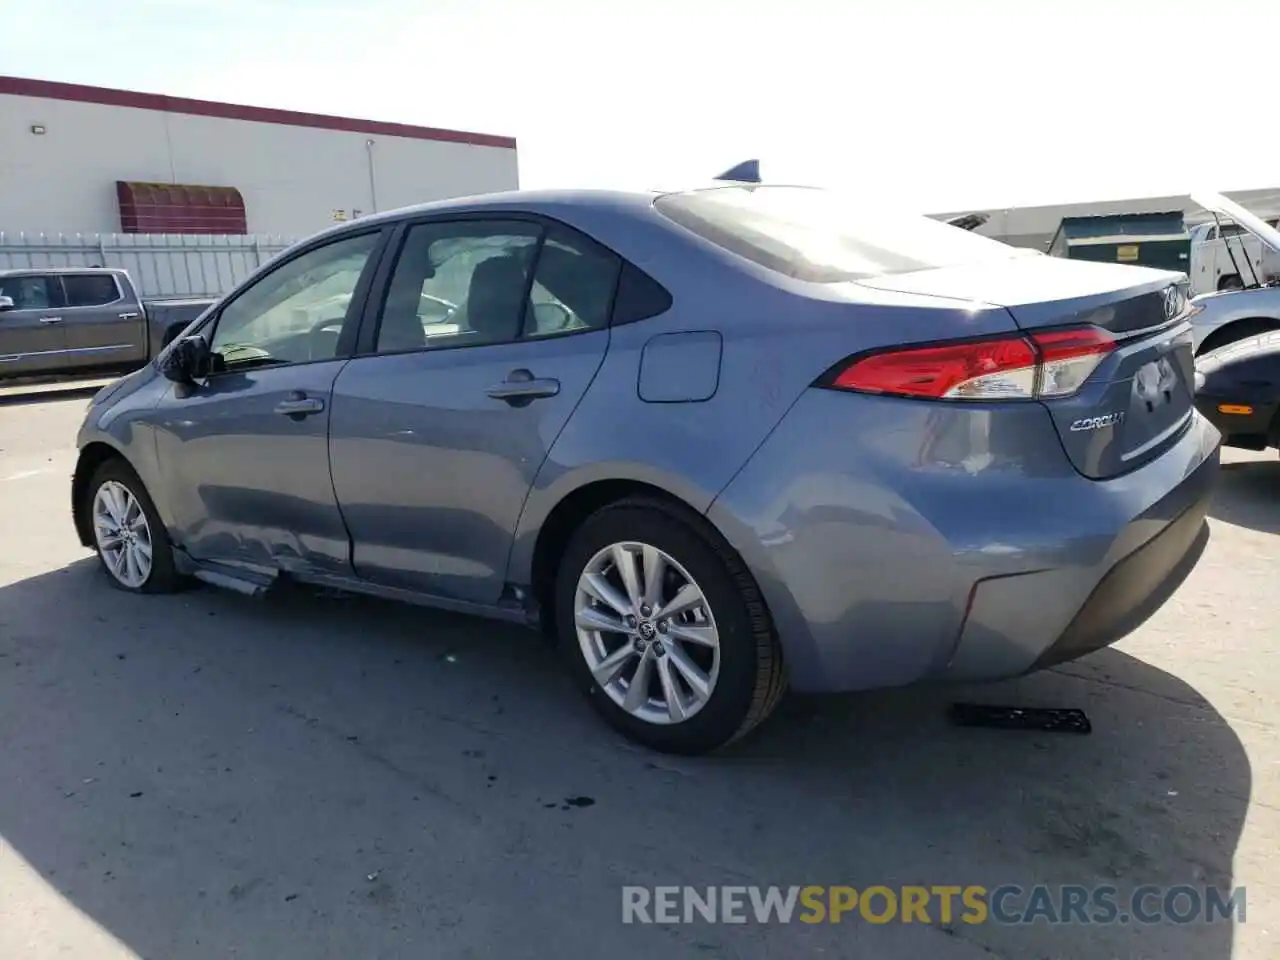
<point x="751" y="677"/>
<point x="164" y="576"/>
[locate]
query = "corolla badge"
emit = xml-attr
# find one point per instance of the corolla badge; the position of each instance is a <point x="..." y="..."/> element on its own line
<point x="1097" y="423"/>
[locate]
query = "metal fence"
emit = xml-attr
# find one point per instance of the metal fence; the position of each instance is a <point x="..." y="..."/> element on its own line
<point x="161" y="265"/>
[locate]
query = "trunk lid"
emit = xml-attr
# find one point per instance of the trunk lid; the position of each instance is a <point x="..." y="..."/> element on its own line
<point x="1140" y="398"/>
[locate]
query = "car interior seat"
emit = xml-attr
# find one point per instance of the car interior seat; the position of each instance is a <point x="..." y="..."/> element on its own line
<point x="495" y="301"/>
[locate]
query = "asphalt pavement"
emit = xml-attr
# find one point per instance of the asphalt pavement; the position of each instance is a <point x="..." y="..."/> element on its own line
<point x="302" y="777"/>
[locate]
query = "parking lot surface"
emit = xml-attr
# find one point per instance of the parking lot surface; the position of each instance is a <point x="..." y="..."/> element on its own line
<point x="206" y="775"/>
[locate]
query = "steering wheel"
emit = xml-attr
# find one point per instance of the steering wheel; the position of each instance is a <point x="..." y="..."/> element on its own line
<point x="427" y="300"/>
<point x="322" y="339"/>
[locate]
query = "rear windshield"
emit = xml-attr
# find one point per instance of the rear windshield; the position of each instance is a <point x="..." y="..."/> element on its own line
<point x="819" y="236"/>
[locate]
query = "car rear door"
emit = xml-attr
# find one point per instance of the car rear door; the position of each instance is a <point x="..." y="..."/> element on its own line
<point x="486" y="337"/>
<point x="31" y="339"/>
<point x="244" y="452"/>
<point x="102" y="323"/>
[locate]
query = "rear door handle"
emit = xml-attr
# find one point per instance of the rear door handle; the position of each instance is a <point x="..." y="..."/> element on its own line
<point x="129" y="316"/>
<point x="522" y="387"/>
<point x="299" y="405"/>
<point x="50" y="319"/>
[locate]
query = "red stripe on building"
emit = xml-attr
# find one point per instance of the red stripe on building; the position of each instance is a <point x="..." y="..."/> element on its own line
<point x="107" y="96"/>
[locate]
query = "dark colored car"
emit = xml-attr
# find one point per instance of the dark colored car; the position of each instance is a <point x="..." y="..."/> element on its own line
<point x="1238" y="389"/>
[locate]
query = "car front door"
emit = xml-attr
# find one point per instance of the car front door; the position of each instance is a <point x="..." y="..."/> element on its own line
<point x="31" y="339"/>
<point x="244" y="451"/>
<point x="100" y="325"/>
<point x="488" y="334"/>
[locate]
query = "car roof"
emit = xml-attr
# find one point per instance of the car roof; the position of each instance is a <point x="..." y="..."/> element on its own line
<point x="529" y="201"/>
<point x="25" y="271"/>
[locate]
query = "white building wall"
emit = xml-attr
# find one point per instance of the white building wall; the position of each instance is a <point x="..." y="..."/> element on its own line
<point x="292" y="178"/>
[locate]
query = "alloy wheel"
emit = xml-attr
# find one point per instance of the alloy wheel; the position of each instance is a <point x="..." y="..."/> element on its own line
<point x="123" y="536"/>
<point x="647" y="632"/>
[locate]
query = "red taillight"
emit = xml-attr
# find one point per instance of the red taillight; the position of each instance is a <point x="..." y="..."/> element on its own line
<point x="1067" y="357"/>
<point x="1049" y="364"/>
<point x="1006" y="367"/>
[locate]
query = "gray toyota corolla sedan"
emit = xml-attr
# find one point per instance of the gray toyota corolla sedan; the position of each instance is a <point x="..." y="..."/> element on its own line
<point x="720" y="442"/>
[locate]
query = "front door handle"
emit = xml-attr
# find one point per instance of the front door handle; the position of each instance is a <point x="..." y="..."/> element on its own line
<point x="299" y="405"/>
<point x="522" y="387"/>
<point x="50" y="319"/>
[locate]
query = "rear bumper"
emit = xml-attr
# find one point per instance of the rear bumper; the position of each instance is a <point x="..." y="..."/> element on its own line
<point x="955" y="543"/>
<point x="1133" y="589"/>
<point x="1019" y="624"/>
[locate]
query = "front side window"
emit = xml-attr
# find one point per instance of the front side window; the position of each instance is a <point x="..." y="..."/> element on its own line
<point x="821" y="237"/>
<point x="27" y="293"/>
<point x="295" y="313"/>
<point x="90" y="289"/>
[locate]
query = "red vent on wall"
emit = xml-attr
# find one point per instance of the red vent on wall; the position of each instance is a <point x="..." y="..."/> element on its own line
<point x="179" y="208"/>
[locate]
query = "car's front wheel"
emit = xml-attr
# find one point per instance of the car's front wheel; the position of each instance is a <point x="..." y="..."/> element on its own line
<point x="129" y="537"/>
<point x="665" y="630"/>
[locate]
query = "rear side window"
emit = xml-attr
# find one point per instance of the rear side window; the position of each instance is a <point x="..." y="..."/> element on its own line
<point x="818" y="236"/>
<point x="573" y="284"/>
<point x="639" y="296"/>
<point x="90" y="289"/>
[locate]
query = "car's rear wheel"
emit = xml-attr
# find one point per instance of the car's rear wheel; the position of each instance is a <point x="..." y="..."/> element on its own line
<point x="665" y="630"/>
<point x="129" y="537"/>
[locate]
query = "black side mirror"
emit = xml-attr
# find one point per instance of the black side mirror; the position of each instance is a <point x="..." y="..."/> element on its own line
<point x="6" y="303"/>
<point x="187" y="360"/>
<point x="171" y="332"/>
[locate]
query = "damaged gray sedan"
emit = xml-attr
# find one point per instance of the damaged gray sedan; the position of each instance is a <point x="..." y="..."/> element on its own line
<point x="719" y="442"/>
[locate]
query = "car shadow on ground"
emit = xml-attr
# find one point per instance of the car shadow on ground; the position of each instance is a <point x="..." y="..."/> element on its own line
<point x="308" y="776"/>
<point x="1248" y="495"/>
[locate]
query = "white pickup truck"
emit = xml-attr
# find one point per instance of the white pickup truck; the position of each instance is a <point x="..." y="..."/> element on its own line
<point x="1227" y="256"/>
<point x="1220" y="317"/>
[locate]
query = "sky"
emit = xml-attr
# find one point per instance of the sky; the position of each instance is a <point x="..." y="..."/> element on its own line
<point x="934" y="105"/>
